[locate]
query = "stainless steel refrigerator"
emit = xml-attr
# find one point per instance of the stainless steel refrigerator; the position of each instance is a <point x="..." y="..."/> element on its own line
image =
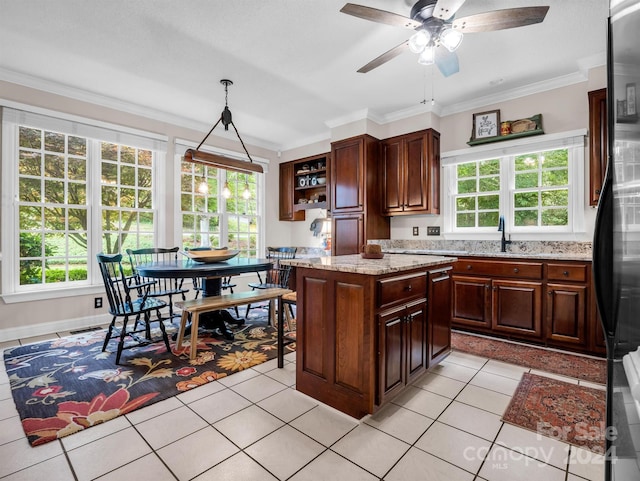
<point x="616" y="246"/>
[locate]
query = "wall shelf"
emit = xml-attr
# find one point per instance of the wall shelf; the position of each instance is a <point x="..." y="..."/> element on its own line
<point x="506" y="137"/>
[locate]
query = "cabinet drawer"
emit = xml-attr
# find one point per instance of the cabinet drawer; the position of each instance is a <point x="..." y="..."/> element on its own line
<point x="567" y="272"/>
<point x="395" y="290"/>
<point x="519" y="270"/>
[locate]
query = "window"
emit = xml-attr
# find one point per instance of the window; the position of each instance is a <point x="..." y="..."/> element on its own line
<point x="210" y="219"/>
<point x="536" y="186"/>
<point x="80" y="189"/>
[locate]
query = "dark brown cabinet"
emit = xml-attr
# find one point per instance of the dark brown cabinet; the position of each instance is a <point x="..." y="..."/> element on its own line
<point x="546" y="302"/>
<point x="403" y="352"/>
<point x="303" y="185"/>
<point x="363" y="338"/>
<point x="286" y="200"/>
<point x="411" y="173"/>
<point x="354" y="195"/>
<point x="439" y="315"/>
<point x="517" y="308"/>
<point x="597" y="143"/>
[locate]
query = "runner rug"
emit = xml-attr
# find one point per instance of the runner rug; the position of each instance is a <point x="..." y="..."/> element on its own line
<point x="68" y="384"/>
<point x="567" y="412"/>
<point x="566" y="364"/>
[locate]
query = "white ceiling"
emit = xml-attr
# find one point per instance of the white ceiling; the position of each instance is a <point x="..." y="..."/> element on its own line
<point x="293" y="62"/>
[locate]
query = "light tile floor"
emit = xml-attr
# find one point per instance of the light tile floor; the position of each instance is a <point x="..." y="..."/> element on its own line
<point x="254" y="425"/>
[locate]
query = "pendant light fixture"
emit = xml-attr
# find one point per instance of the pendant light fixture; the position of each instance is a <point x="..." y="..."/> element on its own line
<point x="220" y="161"/>
<point x="226" y="191"/>
<point x="246" y="193"/>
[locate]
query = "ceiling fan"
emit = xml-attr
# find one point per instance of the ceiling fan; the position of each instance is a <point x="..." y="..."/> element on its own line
<point x="436" y="27"/>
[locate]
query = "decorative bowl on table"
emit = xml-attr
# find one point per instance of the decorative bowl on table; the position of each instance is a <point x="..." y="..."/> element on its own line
<point x="211" y="256"/>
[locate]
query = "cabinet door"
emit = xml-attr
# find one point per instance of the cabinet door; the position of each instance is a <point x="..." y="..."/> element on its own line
<point x="566" y="317"/>
<point x="347" y="176"/>
<point x="416" y="174"/>
<point x="392" y="176"/>
<point x="517" y="308"/>
<point x="287" y="189"/>
<point x="471" y="301"/>
<point x="597" y="143"/>
<point x="433" y="152"/>
<point x="347" y="234"/>
<point x="439" y="315"/>
<point x="391" y="353"/>
<point x="416" y="332"/>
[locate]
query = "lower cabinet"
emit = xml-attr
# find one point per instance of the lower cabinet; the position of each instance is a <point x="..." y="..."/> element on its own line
<point x="347" y="234"/>
<point x="402" y="350"/>
<point x="546" y="302"/>
<point x="363" y="338"/>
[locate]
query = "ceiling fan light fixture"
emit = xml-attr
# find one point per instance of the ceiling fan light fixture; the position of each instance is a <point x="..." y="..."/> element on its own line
<point x="427" y="56"/>
<point x="451" y="39"/>
<point x="419" y="41"/>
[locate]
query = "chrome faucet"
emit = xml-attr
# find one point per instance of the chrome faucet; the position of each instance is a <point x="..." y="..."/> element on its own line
<point x="503" y="241"/>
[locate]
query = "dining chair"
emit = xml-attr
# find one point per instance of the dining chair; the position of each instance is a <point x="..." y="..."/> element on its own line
<point x="225" y="282"/>
<point x="119" y="289"/>
<point x="278" y="275"/>
<point x="167" y="287"/>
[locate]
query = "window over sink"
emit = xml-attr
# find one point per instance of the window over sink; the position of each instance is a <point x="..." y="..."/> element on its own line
<point x="537" y="186"/>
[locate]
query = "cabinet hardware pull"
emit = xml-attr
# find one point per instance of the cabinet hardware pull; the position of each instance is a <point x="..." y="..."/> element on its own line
<point x="550" y="292"/>
<point x="469" y="267"/>
<point x="565" y="273"/>
<point x="409" y="288"/>
<point x="487" y="286"/>
<point x="598" y="191"/>
<point x="516" y="270"/>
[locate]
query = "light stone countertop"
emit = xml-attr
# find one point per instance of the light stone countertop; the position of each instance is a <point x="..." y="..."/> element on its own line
<point x="568" y="256"/>
<point x="375" y="267"/>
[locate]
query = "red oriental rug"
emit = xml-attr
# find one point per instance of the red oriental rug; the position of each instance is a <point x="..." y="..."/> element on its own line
<point x="67" y="385"/>
<point x="567" y="412"/>
<point x="563" y="363"/>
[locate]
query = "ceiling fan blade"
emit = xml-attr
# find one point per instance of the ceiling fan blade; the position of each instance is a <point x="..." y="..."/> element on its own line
<point x="446" y="61"/>
<point x="379" y="16"/>
<point x="445" y="9"/>
<point x="500" y="19"/>
<point x="385" y="57"/>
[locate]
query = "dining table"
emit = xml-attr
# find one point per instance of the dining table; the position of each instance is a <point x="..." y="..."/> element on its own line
<point x="211" y="274"/>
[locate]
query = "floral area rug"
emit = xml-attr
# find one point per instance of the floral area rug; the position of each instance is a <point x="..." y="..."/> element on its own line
<point x="567" y="412"/>
<point x="565" y="364"/>
<point x="67" y="385"/>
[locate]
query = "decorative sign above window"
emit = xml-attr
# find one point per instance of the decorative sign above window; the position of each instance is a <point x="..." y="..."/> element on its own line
<point x="486" y="123"/>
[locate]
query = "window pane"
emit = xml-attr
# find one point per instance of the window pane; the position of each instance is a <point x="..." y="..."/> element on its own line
<point x="556" y="158"/>
<point x="77" y="169"/>
<point x="30" y="138"/>
<point x="467" y="170"/>
<point x="489" y="202"/>
<point x="555" y="197"/>
<point x="526" y="218"/>
<point x="526" y="181"/>
<point x="109" y="151"/>
<point x="77" y="146"/>
<point x="54" y="142"/>
<point x="466" y="220"/>
<point x="488" y="167"/>
<point x="555" y="177"/>
<point x="525" y="199"/>
<point x="465" y="203"/>
<point x="555" y="217"/>
<point x="488" y="219"/>
<point x="489" y="184"/>
<point x="127" y="155"/>
<point x="30" y="163"/>
<point x="526" y="162"/>
<point x="54" y="166"/>
<point x="29" y="190"/>
<point x="466" y="186"/>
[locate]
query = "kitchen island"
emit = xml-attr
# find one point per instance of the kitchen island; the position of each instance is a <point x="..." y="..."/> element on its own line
<point x="366" y="328"/>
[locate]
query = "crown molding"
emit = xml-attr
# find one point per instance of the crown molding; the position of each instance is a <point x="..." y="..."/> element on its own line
<point x="82" y="95"/>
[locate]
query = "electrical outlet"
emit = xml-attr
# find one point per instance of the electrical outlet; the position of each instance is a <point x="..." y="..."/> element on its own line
<point x="415" y="231"/>
<point x="97" y="302"/>
<point x="433" y="230"/>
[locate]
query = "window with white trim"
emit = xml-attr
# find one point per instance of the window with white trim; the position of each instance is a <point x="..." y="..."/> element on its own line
<point x="537" y="187"/>
<point x="210" y="219"/>
<point x="79" y="189"/>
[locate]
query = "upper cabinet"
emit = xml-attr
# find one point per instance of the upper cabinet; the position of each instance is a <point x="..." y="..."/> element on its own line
<point x="597" y="143"/>
<point x="411" y="174"/>
<point x="355" y="194"/>
<point x="303" y="185"/>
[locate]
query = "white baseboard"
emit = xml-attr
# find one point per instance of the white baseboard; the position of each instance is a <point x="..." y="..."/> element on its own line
<point x="22" y="332"/>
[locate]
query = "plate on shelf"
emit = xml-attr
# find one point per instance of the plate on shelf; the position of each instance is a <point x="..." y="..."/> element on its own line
<point x="211" y="256"/>
<point x="375" y="255"/>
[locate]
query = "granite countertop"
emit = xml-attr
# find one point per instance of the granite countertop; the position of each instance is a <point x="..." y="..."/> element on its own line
<point x="569" y="256"/>
<point x="556" y="250"/>
<point x="356" y="264"/>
